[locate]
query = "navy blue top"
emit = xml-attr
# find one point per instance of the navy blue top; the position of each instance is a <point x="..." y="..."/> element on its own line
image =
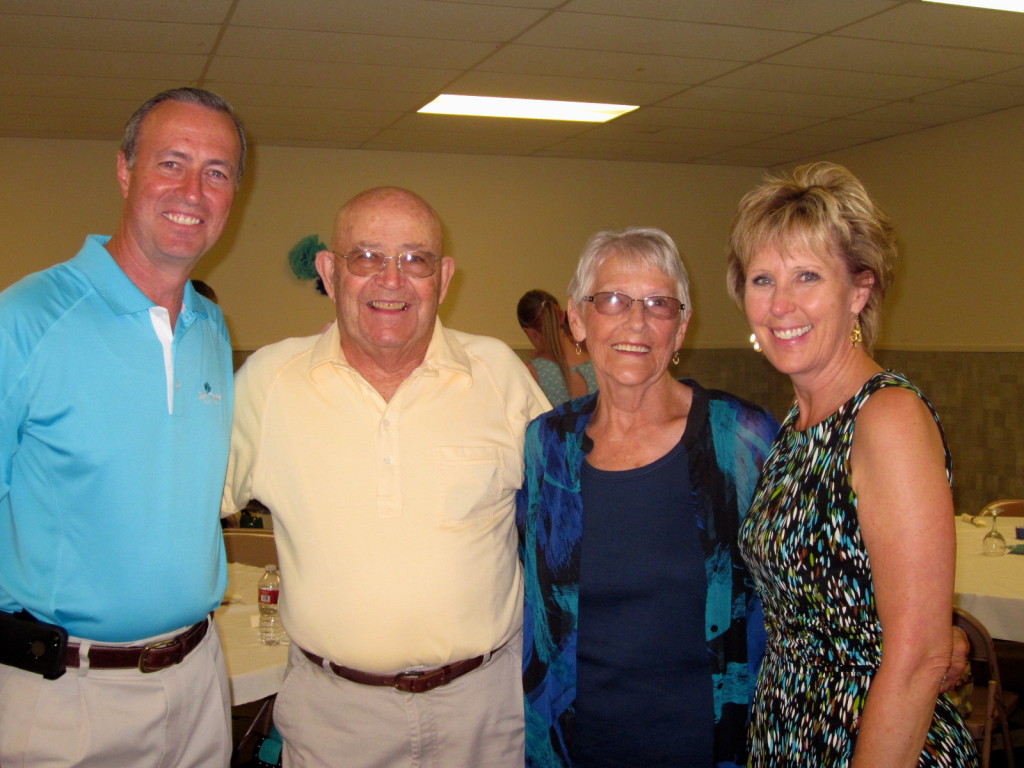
<point x="643" y="697"/>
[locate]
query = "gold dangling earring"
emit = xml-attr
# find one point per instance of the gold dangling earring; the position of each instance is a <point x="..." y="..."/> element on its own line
<point x="675" y="358"/>
<point x="856" y="337"/>
<point x="578" y="350"/>
<point x="753" y="342"/>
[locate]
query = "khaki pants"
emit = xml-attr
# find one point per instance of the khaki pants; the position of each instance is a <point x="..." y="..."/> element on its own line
<point x="476" y="721"/>
<point x="178" y="717"/>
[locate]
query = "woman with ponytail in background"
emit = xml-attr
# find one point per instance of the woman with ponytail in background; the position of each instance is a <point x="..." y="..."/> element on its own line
<point x="543" y="321"/>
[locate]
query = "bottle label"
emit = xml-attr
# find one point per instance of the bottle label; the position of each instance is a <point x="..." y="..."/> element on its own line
<point x="269" y="596"/>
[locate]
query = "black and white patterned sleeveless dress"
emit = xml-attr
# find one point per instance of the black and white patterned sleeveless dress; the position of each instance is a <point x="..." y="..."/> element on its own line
<point x="803" y="545"/>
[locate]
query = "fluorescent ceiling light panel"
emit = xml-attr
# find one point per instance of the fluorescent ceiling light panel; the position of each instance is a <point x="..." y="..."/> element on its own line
<point x="998" y="5"/>
<point x="533" y="109"/>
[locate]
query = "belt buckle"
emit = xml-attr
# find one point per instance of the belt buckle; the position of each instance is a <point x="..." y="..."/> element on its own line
<point x="144" y="668"/>
<point x="420" y="681"/>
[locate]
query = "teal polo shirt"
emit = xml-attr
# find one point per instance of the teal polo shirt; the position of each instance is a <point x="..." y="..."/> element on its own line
<point x="112" y="453"/>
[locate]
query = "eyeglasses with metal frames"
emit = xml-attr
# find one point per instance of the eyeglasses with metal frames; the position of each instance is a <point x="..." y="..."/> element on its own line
<point x="615" y="303"/>
<point x="366" y="261"/>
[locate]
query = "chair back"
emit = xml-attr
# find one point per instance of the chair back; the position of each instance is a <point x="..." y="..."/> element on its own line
<point x="1004" y="508"/>
<point x="982" y="655"/>
<point x="250" y="546"/>
<point x="989" y="703"/>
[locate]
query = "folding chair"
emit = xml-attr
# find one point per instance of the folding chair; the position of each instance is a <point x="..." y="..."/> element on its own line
<point x="989" y="703"/>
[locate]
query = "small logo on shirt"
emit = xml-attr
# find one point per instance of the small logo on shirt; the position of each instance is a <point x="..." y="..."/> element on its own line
<point x="208" y="395"/>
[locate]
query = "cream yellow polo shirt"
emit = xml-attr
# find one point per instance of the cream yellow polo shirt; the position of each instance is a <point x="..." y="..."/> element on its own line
<point x="394" y="520"/>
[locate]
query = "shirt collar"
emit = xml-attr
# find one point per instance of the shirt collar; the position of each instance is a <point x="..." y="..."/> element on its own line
<point x="108" y="279"/>
<point x="116" y="288"/>
<point x="193" y="302"/>
<point x="444" y="352"/>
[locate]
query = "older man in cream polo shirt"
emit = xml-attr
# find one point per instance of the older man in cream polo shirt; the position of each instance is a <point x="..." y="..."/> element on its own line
<point x="389" y="449"/>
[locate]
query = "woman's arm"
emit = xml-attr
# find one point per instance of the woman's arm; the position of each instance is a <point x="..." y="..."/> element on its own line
<point x="905" y="510"/>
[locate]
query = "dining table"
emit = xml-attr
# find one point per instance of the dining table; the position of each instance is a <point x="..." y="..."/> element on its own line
<point x="255" y="671"/>
<point x="991" y="587"/>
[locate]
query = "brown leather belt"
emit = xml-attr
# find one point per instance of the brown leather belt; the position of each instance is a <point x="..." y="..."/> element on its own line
<point x="145" y="658"/>
<point x="416" y="681"/>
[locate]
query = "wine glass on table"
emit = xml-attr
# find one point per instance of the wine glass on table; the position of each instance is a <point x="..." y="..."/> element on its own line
<point x="993" y="543"/>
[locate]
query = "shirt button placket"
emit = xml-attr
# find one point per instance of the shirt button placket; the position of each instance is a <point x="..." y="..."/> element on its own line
<point x="390" y="481"/>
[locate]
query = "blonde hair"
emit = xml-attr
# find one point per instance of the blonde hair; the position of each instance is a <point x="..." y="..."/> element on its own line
<point x="823" y="207"/>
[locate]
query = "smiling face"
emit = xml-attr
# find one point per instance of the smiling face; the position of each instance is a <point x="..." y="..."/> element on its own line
<point x="388" y="317"/>
<point x="632" y="349"/>
<point x="179" y="192"/>
<point x="802" y="303"/>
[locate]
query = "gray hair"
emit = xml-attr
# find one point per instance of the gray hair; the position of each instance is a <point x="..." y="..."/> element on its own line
<point x="637" y="245"/>
<point x="197" y="96"/>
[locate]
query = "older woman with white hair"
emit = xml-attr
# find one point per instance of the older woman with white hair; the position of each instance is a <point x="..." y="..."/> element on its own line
<point x="642" y="632"/>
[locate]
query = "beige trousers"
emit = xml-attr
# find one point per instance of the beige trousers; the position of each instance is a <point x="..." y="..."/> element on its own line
<point x="476" y="721"/>
<point x="178" y="717"/>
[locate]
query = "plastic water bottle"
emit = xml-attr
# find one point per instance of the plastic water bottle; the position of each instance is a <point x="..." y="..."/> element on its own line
<point x="271" y="632"/>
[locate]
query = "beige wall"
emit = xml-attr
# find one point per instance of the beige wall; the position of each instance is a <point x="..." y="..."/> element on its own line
<point x="957" y="196"/>
<point x="518" y="223"/>
<point x="512" y="224"/>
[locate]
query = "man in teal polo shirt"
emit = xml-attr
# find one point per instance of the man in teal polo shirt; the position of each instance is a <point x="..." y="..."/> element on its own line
<point x="115" y="416"/>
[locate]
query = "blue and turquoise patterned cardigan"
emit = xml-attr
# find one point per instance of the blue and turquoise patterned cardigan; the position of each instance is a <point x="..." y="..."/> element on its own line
<point x="726" y="440"/>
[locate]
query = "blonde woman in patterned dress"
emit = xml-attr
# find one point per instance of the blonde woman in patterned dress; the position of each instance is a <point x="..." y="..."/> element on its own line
<point x="850" y="535"/>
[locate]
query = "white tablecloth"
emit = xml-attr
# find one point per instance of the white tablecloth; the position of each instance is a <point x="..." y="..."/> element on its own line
<point x="254" y="671"/>
<point x="990" y="587"/>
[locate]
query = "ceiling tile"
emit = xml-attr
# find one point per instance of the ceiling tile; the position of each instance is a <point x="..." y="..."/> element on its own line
<point x="560" y="88"/>
<point x="921" y="113"/>
<point x="574" y="62"/>
<point x="542" y="131"/>
<point x="70" y="66"/>
<point x="829" y="82"/>
<point x="716" y="119"/>
<point x="1010" y="77"/>
<point x="456" y="141"/>
<point x="945" y="25"/>
<point x="806" y="143"/>
<point x="43" y="126"/>
<point x="189" y="11"/>
<point x="537" y="4"/>
<point x="273" y="130"/>
<point x="756" y="156"/>
<point x="704" y="139"/>
<point x="649" y="36"/>
<point x="774" y="102"/>
<point x="985" y="96"/>
<point x="304" y="97"/>
<point x="106" y="34"/>
<point x="425" y="18"/>
<point x="60" y="97"/>
<point x="325" y="73"/>
<point x="795" y="15"/>
<point x="329" y="74"/>
<point x="64" y="109"/>
<point x="310" y="119"/>
<point x="611" y="149"/>
<point x="896" y="58"/>
<point x="858" y="129"/>
<point x="302" y="45"/>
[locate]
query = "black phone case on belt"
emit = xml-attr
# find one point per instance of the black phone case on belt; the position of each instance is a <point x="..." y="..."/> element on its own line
<point x="32" y="645"/>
